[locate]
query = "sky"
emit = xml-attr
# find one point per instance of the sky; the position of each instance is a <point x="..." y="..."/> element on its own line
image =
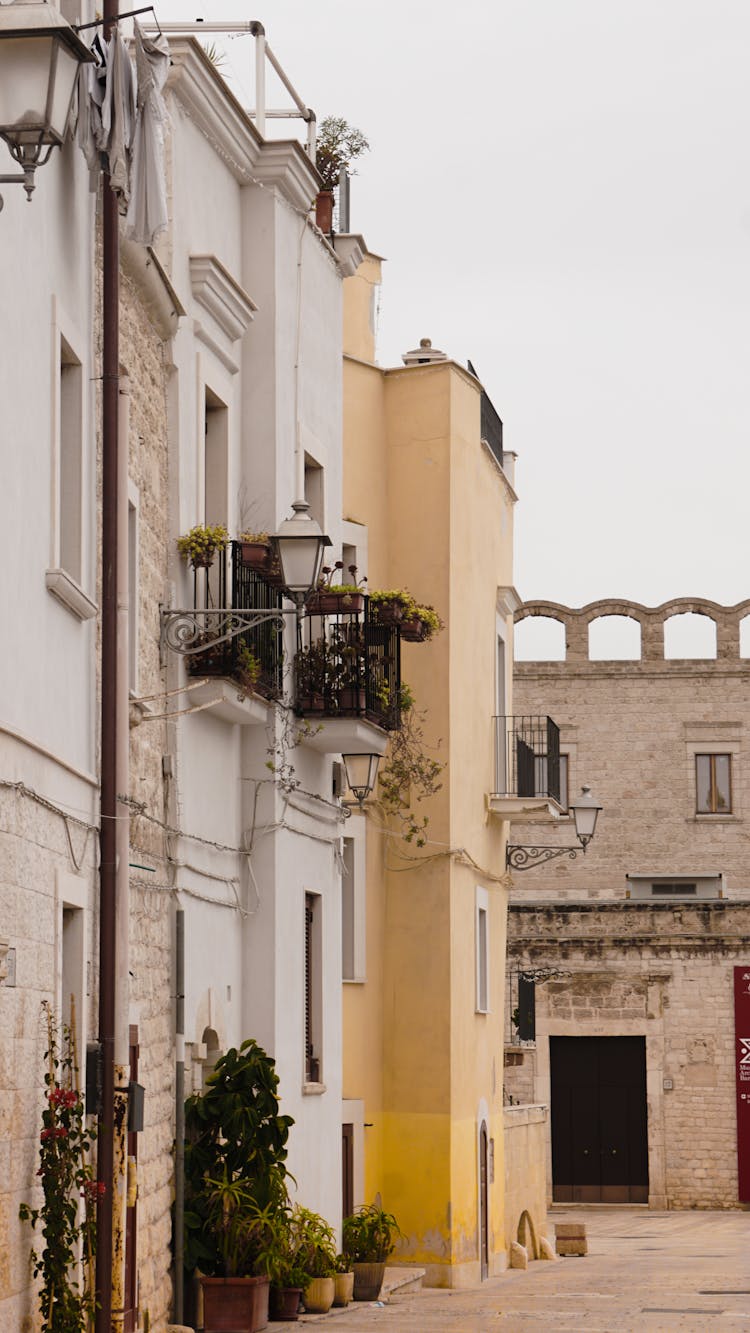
<point x="561" y="189"/>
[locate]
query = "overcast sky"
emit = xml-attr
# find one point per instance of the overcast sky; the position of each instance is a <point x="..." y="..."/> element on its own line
<point x="562" y="191"/>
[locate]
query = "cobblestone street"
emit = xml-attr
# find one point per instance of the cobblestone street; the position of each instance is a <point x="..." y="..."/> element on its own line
<point x="644" y="1271"/>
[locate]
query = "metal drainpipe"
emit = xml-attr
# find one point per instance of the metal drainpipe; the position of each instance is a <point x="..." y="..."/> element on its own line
<point x="122" y="904"/>
<point x="179" y="1117"/>
<point x="108" y="794"/>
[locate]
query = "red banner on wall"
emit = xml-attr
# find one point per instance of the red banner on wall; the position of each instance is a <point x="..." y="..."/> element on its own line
<point x="742" y="1059"/>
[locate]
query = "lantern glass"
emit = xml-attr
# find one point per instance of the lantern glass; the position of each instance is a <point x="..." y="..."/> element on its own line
<point x="585" y="813"/>
<point x="361" y="773"/>
<point x="299" y="546"/>
<point x="40" y="55"/>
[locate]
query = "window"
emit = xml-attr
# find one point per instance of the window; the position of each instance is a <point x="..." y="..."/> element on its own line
<point x="313" y="988"/>
<point x="216" y="461"/>
<point x="71" y="460"/>
<point x="564" y="782"/>
<point x="713" y="785"/>
<point x="347" y="911"/>
<point x="315" y="490"/>
<point x="482" y="952"/>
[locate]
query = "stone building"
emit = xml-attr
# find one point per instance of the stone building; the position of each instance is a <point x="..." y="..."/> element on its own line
<point x="626" y="955"/>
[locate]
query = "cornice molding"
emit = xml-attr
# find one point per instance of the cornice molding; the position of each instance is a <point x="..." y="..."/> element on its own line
<point x="217" y="114"/>
<point x="284" y="165"/>
<point x="220" y="294"/>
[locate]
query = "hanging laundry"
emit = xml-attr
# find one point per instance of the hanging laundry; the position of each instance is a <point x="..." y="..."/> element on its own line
<point x="147" y="214"/>
<point x="118" y="118"/>
<point x="92" y="77"/>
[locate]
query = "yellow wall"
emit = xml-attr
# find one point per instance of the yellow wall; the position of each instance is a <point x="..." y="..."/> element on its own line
<point x="439" y="517"/>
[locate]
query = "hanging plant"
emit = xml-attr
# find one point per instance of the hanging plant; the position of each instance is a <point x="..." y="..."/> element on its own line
<point x="67" y="1305"/>
<point x="411" y="774"/>
<point x="201" y="543"/>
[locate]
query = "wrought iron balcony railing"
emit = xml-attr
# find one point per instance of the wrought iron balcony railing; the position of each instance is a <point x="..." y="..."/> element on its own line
<point x="527" y="756"/>
<point x="348" y="665"/>
<point x="253" y="657"/>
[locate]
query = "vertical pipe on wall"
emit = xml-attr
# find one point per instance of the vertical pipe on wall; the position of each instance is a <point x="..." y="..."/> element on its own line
<point x="179" y="1119"/>
<point x="122" y="896"/>
<point x="108" y="794"/>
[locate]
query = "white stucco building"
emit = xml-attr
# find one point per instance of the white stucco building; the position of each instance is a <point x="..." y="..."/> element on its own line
<point x="231" y="332"/>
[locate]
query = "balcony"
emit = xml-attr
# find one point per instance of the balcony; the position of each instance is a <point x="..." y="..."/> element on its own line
<point x="348" y="677"/>
<point x="245" y="671"/>
<point x="527" y="768"/>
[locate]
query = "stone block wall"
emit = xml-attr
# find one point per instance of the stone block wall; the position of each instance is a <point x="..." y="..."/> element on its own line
<point x="525" y="1178"/>
<point x="34" y="852"/>
<point x="631" y="730"/>
<point x="664" y="973"/>
<point x="145" y="357"/>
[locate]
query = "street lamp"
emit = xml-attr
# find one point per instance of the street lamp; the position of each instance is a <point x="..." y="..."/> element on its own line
<point x="585" y="814"/>
<point x="361" y="774"/>
<point x="299" y="545"/>
<point x="40" y="55"/>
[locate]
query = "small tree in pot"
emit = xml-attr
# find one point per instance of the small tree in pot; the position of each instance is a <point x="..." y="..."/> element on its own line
<point x="235" y="1185"/>
<point x="338" y="145"/>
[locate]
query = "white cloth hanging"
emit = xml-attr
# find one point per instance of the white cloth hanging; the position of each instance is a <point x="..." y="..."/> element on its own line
<point x="118" y="117"/>
<point x="148" y="214"/>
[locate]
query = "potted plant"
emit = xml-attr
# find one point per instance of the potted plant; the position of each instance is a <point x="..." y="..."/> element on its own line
<point x="201" y="543"/>
<point x="316" y="1248"/>
<point x="334" y="598"/>
<point x="285" y="1269"/>
<point x="255" y="551"/>
<point x="235" y="1185"/>
<point x="369" y="1238"/>
<point x="421" y="624"/>
<point x="392" y="606"/>
<point x="343" y="1281"/>
<point x="338" y="145"/>
<point x="311" y="677"/>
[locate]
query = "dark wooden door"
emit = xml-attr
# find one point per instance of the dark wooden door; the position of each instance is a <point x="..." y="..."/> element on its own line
<point x="484" y="1218"/>
<point x="599" y="1120"/>
<point x="347" y="1169"/>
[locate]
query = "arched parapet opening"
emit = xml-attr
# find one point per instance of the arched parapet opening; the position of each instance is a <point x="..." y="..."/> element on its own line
<point x="615" y="637"/>
<point x="690" y="635"/>
<point x="541" y="632"/>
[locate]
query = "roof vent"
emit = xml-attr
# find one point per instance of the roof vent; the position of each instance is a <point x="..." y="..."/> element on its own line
<point x="424" y="354"/>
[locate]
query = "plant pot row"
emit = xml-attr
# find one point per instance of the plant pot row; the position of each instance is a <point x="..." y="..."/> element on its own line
<point x="245" y="1304"/>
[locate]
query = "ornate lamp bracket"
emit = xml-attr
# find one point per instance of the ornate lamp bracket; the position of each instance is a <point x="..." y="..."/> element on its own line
<point x="193" y="631"/>
<point x="523" y="858"/>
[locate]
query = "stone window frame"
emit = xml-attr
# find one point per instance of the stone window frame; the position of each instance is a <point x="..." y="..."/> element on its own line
<point x="713" y="738"/>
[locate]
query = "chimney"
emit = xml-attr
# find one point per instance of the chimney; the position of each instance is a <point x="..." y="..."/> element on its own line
<point x="424" y="354"/>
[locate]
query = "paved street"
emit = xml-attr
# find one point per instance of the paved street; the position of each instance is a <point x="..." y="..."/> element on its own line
<point x="644" y="1271"/>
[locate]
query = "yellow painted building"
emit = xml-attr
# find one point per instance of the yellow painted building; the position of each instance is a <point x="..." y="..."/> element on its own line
<point x="423" y="1023"/>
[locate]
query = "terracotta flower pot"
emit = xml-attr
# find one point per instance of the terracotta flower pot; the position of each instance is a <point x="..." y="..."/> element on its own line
<point x="256" y="555"/>
<point x="318" y="1295"/>
<point x="284" y="1304"/>
<point x="414" y="630"/>
<point x="343" y="1285"/>
<point x="368" y="1279"/>
<point x="335" y="603"/>
<point x="235" y="1304"/>
<point x="388" y="613"/>
<point x="324" y="211"/>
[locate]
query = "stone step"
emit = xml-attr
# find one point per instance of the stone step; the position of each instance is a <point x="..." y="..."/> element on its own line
<point x="401" y="1278"/>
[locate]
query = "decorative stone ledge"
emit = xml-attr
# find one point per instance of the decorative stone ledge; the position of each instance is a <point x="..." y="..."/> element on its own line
<point x="70" y="594"/>
<point x="221" y="295"/>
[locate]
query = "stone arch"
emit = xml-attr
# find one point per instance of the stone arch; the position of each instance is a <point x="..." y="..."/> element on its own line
<point x="526" y="1234"/>
<point x="615" y="636"/>
<point x="539" y="636"/>
<point x="690" y="634"/>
